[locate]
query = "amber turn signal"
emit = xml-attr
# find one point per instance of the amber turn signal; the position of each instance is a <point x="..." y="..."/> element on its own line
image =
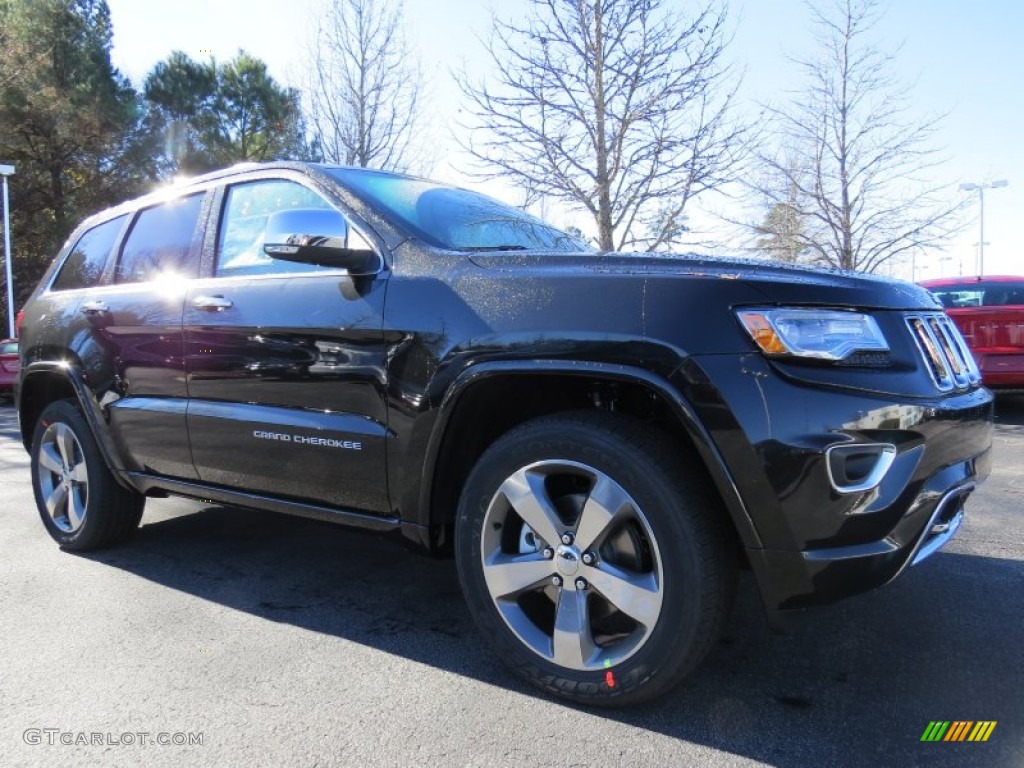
<point x="763" y="334"/>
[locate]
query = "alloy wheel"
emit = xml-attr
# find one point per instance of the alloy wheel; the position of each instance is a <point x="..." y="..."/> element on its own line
<point x="63" y="477"/>
<point x="572" y="565"/>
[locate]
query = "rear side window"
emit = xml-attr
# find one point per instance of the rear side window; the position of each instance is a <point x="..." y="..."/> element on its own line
<point x="246" y="210"/>
<point x="87" y="260"/>
<point x="160" y="242"/>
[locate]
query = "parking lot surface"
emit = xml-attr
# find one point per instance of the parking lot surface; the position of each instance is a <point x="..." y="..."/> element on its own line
<point x="280" y="641"/>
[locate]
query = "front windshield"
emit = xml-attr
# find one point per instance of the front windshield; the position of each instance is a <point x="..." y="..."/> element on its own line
<point x="453" y="218"/>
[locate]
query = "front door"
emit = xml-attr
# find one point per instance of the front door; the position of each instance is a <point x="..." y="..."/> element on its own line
<point x="285" y="365"/>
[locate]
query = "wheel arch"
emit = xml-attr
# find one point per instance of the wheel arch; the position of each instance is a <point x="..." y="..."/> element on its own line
<point x="45" y="382"/>
<point x="479" y="396"/>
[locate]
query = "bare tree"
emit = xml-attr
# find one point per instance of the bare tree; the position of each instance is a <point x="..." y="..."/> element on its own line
<point x="364" y="92"/>
<point x="852" y="170"/>
<point x="618" y="106"/>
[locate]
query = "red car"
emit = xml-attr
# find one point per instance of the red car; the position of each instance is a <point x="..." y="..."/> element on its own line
<point x="9" y="367"/>
<point x="990" y="313"/>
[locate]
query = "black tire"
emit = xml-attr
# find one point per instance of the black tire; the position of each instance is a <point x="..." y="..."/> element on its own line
<point x="96" y="513"/>
<point x="692" y="538"/>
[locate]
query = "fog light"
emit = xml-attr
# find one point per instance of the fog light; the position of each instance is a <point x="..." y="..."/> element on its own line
<point x="858" y="467"/>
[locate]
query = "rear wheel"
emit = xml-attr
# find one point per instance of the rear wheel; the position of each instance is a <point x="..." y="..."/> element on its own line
<point x="594" y="560"/>
<point x="81" y="504"/>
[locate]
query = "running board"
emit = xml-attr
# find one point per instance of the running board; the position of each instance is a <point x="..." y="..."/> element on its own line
<point x="216" y="494"/>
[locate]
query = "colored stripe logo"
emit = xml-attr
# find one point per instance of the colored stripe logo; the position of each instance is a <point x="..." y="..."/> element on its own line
<point x="958" y="730"/>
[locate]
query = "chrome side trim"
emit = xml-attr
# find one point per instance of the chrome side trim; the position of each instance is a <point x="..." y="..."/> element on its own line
<point x="215" y="494"/>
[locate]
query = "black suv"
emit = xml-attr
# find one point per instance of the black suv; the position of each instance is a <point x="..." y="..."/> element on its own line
<point x="601" y="439"/>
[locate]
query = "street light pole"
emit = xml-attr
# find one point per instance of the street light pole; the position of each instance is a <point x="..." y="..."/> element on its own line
<point x="5" y="171"/>
<point x="980" y="189"/>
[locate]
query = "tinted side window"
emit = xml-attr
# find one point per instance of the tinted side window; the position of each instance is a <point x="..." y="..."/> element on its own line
<point x="246" y="210"/>
<point x="161" y="242"/>
<point x="87" y="259"/>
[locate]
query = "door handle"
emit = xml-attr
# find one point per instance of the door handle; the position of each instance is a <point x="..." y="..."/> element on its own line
<point x="93" y="308"/>
<point x="212" y="303"/>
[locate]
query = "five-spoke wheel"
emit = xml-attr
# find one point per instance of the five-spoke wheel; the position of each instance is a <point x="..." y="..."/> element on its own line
<point x="571" y="564"/>
<point x="80" y="502"/>
<point x="594" y="556"/>
<point x="63" y="477"/>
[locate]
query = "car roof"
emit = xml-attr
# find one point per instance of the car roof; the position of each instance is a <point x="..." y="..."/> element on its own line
<point x="184" y="184"/>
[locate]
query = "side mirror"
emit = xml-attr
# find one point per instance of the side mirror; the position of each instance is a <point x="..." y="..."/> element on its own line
<point x="318" y="236"/>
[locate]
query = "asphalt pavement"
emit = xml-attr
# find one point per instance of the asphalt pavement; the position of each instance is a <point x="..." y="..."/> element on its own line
<point x="283" y="642"/>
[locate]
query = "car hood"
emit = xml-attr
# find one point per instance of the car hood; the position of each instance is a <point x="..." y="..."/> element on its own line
<point x="776" y="282"/>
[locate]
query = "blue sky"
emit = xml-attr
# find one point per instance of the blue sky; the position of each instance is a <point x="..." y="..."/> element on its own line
<point x="965" y="59"/>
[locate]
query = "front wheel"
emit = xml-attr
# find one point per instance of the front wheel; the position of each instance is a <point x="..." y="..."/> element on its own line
<point x="81" y="504"/>
<point x="594" y="557"/>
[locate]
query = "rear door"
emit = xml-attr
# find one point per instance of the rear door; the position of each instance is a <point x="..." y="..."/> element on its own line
<point x="285" y="363"/>
<point x="135" y="335"/>
<point x="53" y="327"/>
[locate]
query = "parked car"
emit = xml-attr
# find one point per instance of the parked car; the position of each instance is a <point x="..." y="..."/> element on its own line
<point x="10" y="364"/>
<point x="989" y="312"/>
<point x="600" y="439"/>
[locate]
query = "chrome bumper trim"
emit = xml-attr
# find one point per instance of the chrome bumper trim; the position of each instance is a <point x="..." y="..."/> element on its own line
<point x="935" y="534"/>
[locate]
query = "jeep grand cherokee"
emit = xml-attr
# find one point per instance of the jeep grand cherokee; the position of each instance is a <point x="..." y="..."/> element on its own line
<point x="600" y="439"/>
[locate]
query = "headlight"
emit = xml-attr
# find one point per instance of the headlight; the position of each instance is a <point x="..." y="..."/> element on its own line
<point x="822" y="334"/>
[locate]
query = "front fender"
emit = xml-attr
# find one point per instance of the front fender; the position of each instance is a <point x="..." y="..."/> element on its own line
<point x="680" y="407"/>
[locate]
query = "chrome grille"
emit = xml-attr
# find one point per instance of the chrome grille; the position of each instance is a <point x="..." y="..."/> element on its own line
<point x="944" y="350"/>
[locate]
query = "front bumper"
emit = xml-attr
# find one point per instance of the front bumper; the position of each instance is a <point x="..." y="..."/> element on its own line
<point x="815" y="543"/>
<point x="790" y="579"/>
